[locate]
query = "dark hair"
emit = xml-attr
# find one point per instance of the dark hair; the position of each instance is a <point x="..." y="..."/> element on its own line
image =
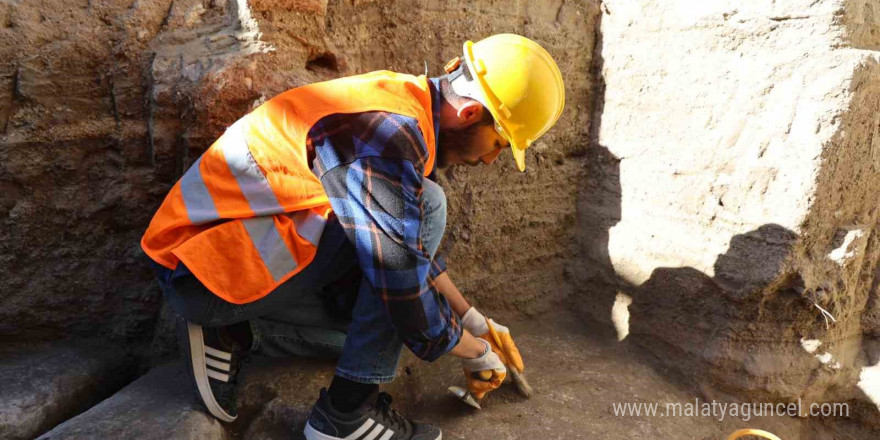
<point x="450" y="96"/>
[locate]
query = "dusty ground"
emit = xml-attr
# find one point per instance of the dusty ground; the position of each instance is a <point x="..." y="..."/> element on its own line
<point x="578" y="371"/>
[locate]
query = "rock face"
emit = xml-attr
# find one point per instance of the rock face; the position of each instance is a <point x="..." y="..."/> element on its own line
<point x="158" y="406"/>
<point x="44" y="385"/>
<point x="104" y="104"/>
<point x="733" y="190"/>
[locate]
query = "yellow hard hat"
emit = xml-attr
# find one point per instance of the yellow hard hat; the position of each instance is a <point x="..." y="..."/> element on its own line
<point x="520" y="84"/>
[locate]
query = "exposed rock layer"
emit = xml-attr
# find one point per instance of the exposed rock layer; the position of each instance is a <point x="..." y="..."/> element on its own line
<point x="159" y="405"/>
<point x="104" y="104"/>
<point x="45" y="384"/>
<point x="732" y="191"/>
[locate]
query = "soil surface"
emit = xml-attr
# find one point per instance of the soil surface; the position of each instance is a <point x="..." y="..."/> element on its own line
<point x="578" y="371"/>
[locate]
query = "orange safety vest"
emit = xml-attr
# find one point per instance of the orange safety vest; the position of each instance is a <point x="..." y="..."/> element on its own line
<point x="249" y="213"/>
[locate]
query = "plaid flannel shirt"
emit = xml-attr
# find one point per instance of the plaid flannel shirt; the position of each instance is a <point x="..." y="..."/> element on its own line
<point x="371" y="166"/>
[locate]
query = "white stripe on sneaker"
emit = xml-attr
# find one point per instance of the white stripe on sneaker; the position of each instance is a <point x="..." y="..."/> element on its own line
<point x="197" y="348"/>
<point x="217" y="375"/>
<point x="313" y="434"/>
<point x="375" y="432"/>
<point x="217" y="365"/>
<point x="218" y="354"/>
<point x="360" y="431"/>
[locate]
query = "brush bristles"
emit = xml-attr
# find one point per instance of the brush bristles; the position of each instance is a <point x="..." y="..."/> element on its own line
<point x="521" y="384"/>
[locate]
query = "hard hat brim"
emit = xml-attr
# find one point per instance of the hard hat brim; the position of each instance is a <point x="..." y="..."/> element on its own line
<point x="519" y="156"/>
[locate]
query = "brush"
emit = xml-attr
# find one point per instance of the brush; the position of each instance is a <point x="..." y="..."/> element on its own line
<point x="519" y="378"/>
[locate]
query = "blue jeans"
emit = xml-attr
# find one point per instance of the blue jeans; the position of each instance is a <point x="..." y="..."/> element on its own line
<point x="328" y="310"/>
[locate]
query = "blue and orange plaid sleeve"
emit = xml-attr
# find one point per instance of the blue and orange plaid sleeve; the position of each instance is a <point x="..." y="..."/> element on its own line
<point x="438" y="266"/>
<point x="370" y="166"/>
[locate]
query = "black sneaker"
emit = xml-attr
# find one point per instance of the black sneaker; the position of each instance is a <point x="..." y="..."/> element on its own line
<point x="212" y="365"/>
<point x="374" y="420"/>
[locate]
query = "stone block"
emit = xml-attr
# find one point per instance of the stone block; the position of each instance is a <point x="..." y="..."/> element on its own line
<point x="158" y="406"/>
<point x="735" y="153"/>
<point x="44" y="385"/>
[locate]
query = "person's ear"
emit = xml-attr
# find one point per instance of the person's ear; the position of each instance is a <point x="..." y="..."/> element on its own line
<point x="469" y="113"/>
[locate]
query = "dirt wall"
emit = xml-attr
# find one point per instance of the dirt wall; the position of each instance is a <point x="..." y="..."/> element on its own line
<point x="731" y="191"/>
<point x="104" y="104"/>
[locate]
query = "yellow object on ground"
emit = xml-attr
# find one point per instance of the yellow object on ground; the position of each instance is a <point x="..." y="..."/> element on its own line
<point x="520" y="84"/>
<point x="755" y="432"/>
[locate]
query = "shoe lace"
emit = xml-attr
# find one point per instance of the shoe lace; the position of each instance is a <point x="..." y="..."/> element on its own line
<point x="383" y="404"/>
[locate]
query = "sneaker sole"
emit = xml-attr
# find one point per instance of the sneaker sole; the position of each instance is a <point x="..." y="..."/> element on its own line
<point x="197" y="364"/>
<point x="314" y="434"/>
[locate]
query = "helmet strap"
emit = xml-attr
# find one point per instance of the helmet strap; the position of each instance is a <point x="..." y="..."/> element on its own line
<point x="463" y="84"/>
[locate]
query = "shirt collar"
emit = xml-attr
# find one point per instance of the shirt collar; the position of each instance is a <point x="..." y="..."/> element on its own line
<point x="436" y="105"/>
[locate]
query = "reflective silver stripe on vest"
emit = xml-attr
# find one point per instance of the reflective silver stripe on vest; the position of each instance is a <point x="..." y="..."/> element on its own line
<point x="266" y="238"/>
<point x="309" y="226"/>
<point x="196" y="198"/>
<point x="251" y="181"/>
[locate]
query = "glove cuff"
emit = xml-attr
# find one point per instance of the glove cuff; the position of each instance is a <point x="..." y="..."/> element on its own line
<point x="474" y="322"/>
<point x="488" y="361"/>
<point x="488" y="347"/>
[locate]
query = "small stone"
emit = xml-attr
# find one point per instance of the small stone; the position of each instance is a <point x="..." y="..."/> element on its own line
<point x="192" y="71"/>
<point x="194" y="15"/>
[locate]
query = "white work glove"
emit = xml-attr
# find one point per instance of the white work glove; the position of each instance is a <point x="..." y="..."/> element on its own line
<point x="488" y="363"/>
<point x="474" y="322"/>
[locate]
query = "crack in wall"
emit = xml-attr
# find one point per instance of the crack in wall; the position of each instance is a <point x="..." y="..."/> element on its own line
<point x="151" y="111"/>
<point x="113" y="105"/>
<point x="16" y="86"/>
